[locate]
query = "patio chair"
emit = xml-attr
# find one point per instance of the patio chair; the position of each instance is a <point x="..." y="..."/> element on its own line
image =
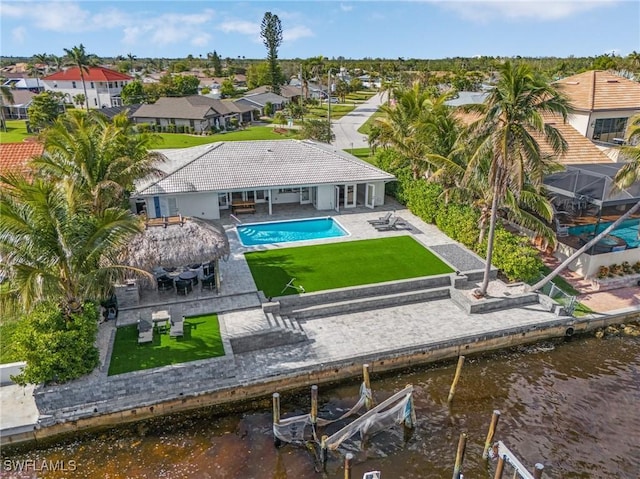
<point x="209" y="282"/>
<point x="183" y="286"/>
<point x="145" y="331"/>
<point x="392" y="225"/>
<point x="177" y="328"/>
<point x="562" y="230"/>
<point x="382" y="220"/>
<point x="165" y="283"/>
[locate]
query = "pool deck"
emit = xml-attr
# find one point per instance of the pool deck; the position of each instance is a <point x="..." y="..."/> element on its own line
<point x="332" y="342"/>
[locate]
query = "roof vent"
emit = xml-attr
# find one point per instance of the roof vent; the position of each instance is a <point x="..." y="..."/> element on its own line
<point x="572" y="83"/>
<point x="613" y="81"/>
<point x="269" y="150"/>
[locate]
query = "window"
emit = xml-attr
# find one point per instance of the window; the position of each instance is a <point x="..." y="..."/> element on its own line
<point x="173" y="206"/>
<point x="95" y="101"/>
<point x="192" y="123"/>
<point x="73" y="84"/>
<point x="282" y="191"/>
<point x="92" y="85"/>
<point x="606" y="129"/>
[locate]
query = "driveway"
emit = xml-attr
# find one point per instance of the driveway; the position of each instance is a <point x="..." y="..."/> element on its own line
<point x="345" y="129"/>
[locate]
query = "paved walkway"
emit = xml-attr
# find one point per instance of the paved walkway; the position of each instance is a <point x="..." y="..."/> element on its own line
<point x="345" y="129"/>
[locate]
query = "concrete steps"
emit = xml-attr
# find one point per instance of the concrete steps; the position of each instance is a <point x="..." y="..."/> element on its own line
<point x="282" y="330"/>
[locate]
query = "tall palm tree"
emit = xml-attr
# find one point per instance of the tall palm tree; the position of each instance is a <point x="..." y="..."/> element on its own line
<point x="626" y="176"/>
<point x="52" y="250"/>
<point x="97" y="158"/>
<point x="78" y="57"/>
<point x="41" y="58"/>
<point x="511" y="121"/>
<point x="5" y="96"/>
<point x="131" y="58"/>
<point x="57" y="62"/>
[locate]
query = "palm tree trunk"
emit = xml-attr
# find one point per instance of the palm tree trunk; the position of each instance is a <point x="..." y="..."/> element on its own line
<point x="595" y="240"/>
<point x="84" y="87"/>
<point x="490" y="240"/>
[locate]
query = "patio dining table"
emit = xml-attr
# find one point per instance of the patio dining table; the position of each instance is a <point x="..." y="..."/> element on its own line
<point x="161" y="319"/>
<point x="189" y="276"/>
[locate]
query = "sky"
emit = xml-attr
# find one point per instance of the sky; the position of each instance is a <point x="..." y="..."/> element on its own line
<point x="425" y="29"/>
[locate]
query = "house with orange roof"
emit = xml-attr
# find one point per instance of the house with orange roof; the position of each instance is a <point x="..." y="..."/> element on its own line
<point x="14" y="157"/>
<point x="103" y="85"/>
<point x="603" y="104"/>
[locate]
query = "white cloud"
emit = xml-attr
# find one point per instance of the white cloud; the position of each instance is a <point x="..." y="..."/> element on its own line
<point x="240" y="26"/>
<point x="19" y="34"/>
<point x="484" y="10"/>
<point x="295" y="33"/>
<point x="346" y="8"/>
<point x="201" y="39"/>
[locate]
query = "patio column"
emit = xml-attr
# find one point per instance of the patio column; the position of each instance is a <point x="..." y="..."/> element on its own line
<point x="270" y="208"/>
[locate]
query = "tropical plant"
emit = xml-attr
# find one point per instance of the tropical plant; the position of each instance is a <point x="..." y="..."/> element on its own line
<point x="5" y="96"/>
<point x="98" y="159"/>
<point x="317" y="129"/>
<point x="508" y="131"/>
<point x="44" y="109"/>
<point x="57" y="250"/>
<point x="78" y="57"/>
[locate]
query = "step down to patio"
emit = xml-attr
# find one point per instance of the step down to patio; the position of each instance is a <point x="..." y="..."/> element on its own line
<point x="282" y="330"/>
<point x="358" y="304"/>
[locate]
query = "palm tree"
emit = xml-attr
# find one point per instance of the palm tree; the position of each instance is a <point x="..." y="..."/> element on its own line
<point x="41" y="58"/>
<point x="55" y="251"/>
<point x="57" y="62"/>
<point x="79" y="58"/>
<point x="626" y="176"/>
<point x="512" y="119"/>
<point x="96" y="158"/>
<point x="5" y="95"/>
<point x="131" y="58"/>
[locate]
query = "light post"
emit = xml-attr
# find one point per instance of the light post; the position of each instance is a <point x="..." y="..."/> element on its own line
<point x="329" y="103"/>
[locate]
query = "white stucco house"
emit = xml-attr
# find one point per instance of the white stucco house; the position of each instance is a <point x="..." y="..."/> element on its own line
<point x="103" y="85"/>
<point x="205" y="181"/>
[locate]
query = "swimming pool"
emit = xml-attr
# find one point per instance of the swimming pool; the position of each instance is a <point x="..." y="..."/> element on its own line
<point x="255" y="234"/>
<point x="627" y="230"/>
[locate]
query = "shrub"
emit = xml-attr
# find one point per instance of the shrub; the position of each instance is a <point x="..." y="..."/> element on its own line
<point x="626" y="267"/>
<point x="636" y="267"/>
<point x="515" y="256"/>
<point x="55" y="349"/>
<point x="603" y="272"/>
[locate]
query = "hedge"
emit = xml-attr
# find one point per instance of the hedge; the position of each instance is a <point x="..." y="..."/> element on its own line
<point x="512" y="254"/>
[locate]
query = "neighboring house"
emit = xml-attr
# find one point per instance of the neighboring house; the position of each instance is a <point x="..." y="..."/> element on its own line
<point x="103" y="85"/>
<point x="603" y="104"/>
<point x="21" y="103"/>
<point x="260" y="100"/>
<point x="115" y="110"/>
<point x="15" y="156"/>
<point x="290" y="93"/>
<point x="196" y="111"/>
<point x="203" y="181"/>
<point x="32" y="84"/>
<point x="467" y="98"/>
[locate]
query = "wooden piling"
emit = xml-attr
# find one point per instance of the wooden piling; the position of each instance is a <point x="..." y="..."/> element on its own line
<point x="367" y="384"/>
<point x="347" y="465"/>
<point x="452" y="391"/>
<point x="323" y="451"/>
<point x="499" y="468"/>
<point x="276" y="417"/>
<point x="462" y="445"/>
<point x="491" y="433"/>
<point x="314" y="404"/>
<point x="537" y="471"/>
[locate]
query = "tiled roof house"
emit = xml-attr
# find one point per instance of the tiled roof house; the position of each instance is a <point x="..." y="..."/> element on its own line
<point x="205" y="181"/>
<point x="603" y="104"/>
<point x="15" y="156"/>
<point x="103" y="85"/>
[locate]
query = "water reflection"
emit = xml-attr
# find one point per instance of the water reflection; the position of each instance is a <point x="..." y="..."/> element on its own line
<point x="572" y="406"/>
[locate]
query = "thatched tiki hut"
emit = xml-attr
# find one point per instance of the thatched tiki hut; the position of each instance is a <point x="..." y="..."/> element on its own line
<point x="178" y="245"/>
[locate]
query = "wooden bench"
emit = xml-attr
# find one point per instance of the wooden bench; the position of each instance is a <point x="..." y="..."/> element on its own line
<point x="165" y="221"/>
<point x="244" y="209"/>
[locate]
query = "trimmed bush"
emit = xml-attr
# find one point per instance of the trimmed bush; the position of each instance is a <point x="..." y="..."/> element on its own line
<point x="55" y="349"/>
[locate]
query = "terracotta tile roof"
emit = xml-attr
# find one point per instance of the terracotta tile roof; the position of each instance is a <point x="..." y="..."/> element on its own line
<point x="14" y="156"/>
<point x="95" y="74"/>
<point x="601" y="90"/>
<point x="581" y="150"/>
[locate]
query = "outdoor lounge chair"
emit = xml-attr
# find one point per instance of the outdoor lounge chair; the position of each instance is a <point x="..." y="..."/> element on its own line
<point x="183" y="286"/>
<point x="165" y="283"/>
<point x="209" y="282"/>
<point x="145" y="332"/>
<point x="177" y="328"/>
<point x="393" y="224"/>
<point x="382" y="220"/>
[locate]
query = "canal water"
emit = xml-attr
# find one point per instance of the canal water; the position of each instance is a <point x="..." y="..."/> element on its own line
<point x="573" y="406"/>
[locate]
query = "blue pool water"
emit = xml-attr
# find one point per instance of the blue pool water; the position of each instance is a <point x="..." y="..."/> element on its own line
<point x="627" y="230"/>
<point x="255" y="234"/>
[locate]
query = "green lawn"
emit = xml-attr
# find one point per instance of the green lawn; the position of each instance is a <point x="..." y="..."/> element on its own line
<point x="177" y="140"/>
<point x="366" y="127"/>
<point x="16" y="132"/>
<point x="337" y="111"/>
<point x="339" y="265"/>
<point x="362" y="153"/>
<point x="201" y="340"/>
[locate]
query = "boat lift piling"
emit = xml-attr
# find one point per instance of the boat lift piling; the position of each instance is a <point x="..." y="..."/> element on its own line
<point x="347" y="465"/>
<point x="276" y="417"/>
<point x="462" y="445"/>
<point x="456" y="378"/>
<point x="490" y="434"/>
<point x="314" y="404"/>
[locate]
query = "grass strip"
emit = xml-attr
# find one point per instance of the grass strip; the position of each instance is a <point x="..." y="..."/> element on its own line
<point x="201" y="340"/>
<point x="343" y="264"/>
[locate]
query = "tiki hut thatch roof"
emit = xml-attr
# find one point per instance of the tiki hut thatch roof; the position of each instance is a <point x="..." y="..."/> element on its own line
<point x="176" y="245"/>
